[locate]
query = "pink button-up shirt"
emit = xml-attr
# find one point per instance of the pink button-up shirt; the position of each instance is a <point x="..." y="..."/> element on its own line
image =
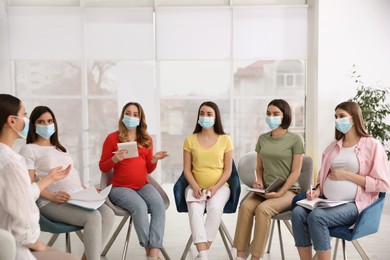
<point x="372" y="164"/>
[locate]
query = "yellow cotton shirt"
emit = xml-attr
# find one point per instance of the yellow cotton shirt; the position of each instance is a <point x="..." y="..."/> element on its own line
<point x="208" y="163"/>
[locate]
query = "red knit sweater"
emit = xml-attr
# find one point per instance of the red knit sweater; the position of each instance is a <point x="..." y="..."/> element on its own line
<point x="130" y="173"/>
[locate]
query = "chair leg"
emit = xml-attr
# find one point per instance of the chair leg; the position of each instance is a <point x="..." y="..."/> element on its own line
<point x="127" y="239"/>
<point x="114" y="236"/>
<point x="360" y="250"/>
<point x="67" y="243"/>
<point x="53" y="239"/>
<point x="225" y="242"/>
<point x="280" y="240"/>
<point x="165" y="254"/>
<point x="288" y="226"/>
<point x="226" y="232"/>
<point x="80" y="235"/>
<point x="185" y="252"/>
<point x="270" y="236"/>
<point x="336" y="246"/>
<point x="344" y="250"/>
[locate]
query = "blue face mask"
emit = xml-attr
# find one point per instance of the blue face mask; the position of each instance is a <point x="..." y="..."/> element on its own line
<point x="45" y="131"/>
<point x="130" y="122"/>
<point x="343" y="124"/>
<point x="24" y="132"/>
<point x="273" y="121"/>
<point x="206" y="122"/>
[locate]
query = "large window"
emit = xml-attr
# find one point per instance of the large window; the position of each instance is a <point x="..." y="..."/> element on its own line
<point x="86" y="63"/>
<point x="242" y="93"/>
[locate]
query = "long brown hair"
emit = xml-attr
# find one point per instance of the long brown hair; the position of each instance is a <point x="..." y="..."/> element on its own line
<point x="32" y="136"/>
<point x="355" y="111"/>
<point x="142" y="136"/>
<point x="218" y="128"/>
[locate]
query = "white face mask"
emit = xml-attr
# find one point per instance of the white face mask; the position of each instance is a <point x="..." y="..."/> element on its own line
<point x="45" y="131"/>
<point x="343" y="124"/>
<point x="23" y="133"/>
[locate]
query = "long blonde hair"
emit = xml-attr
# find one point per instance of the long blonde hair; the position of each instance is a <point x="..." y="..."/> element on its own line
<point x="142" y="136"/>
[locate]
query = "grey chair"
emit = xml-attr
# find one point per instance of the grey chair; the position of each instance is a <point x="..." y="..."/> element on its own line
<point x="246" y="171"/>
<point x="305" y="180"/>
<point x="118" y="211"/>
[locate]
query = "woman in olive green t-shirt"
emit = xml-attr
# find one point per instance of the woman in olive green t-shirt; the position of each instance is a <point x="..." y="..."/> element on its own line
<point x="279" y="154"/>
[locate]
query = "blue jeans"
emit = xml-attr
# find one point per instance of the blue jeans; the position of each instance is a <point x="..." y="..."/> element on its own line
<point x="139" y="203"/>
<point x="314" y="225"/>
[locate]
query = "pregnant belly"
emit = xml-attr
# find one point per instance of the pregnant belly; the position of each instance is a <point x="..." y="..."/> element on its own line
<point x="340" y="190"/>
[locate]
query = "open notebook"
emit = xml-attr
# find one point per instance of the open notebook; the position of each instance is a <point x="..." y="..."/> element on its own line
<point x="89" y="198"/>
<point x="320" y="203"/>
<point x="274" y="186"/>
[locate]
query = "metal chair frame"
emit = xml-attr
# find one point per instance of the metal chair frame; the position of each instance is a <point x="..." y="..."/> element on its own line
<point x="104" y="181"/>
<point x="230" y="207"/>
<point x="246" y="170"/>
<point x="57" y="228"/>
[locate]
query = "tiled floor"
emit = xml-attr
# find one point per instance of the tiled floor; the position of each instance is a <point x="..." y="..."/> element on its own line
<point x="177" y="232"/>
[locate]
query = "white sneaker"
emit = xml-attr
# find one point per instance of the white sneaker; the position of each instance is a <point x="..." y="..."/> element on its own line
<point x="201" y="256"/>
<point x="239" y="258"/>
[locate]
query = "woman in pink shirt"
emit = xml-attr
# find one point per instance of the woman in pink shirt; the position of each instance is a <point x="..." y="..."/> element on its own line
<point x="354" y="168"/>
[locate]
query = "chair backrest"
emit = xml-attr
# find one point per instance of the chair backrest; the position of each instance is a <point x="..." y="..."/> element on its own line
<point x="306" y="177"/>
<point x="367" y="222"/>
<point x="230" y="207"/>
<point x="105" y="179"/>
<point x="247" y="168"/>
<point x="7" y="245"/>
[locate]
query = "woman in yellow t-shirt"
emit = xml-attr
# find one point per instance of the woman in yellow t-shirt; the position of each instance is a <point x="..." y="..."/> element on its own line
<point x="208" y="155"/>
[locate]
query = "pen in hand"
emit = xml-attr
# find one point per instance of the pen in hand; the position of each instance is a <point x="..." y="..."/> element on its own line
<point x="311" y="190"/>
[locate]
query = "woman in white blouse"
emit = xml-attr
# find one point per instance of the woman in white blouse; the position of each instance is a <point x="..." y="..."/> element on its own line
<point x="18" y="212"/>
<point x="42" y="152"/>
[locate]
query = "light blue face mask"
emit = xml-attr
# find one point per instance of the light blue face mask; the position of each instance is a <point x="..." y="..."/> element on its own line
<point x="273" y="121"/>
<point x="206" y="122"/>
<point x="24" y="132"/>
<point x="45" y="131"/>
<point x="343" y="124"/>
<point x="130" y="122"/>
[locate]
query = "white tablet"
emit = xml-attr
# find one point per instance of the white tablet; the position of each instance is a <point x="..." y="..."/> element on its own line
<point x="131" y="147"/>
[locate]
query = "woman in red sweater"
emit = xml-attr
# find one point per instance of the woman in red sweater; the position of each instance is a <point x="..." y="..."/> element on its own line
<point x="131" y="189"/>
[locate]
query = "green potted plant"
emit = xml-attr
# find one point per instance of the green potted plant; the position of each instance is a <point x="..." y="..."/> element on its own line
<point x="375" y="109"/>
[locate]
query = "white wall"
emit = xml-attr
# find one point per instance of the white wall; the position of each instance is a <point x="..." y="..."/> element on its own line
<point x="5" y="86"/>
<point x="350" y="32"/>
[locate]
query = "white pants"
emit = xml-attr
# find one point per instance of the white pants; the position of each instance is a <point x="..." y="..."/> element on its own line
<point x="205" y="231"/>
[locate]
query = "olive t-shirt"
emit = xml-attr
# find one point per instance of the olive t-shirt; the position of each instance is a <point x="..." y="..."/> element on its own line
<point x="277" y="155"/>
